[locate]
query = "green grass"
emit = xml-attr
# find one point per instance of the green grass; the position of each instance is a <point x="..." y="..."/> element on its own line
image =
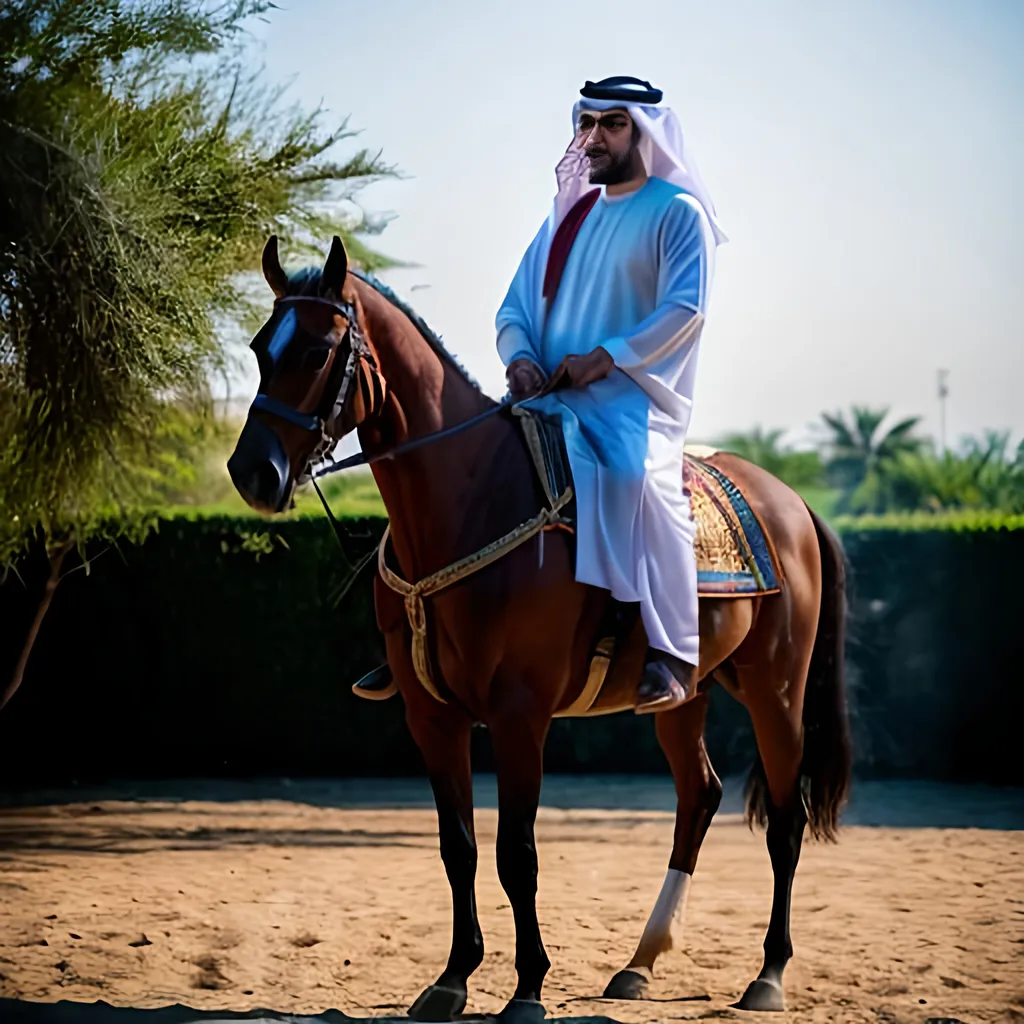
<point x="352" y="494"/>
<point x="820" y="498"/>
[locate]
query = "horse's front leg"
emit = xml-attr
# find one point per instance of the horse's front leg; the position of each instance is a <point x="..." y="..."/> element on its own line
<point x="518" y="738"/>
<point x="442" y="734"/>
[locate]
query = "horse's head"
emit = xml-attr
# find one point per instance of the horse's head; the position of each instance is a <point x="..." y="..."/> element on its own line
<point x="319" y="380"/>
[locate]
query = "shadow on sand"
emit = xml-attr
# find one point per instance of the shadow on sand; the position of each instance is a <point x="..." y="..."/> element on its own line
<point x="14" y="1011"/>
<point x="874" y="803"/>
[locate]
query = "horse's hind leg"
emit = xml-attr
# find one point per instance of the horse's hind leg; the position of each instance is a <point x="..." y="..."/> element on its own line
<point x="772" y="678"/>
<point x="780" y="744"/>
<point x="443" y="739"/>
<point x="698" y="792"/>
<point x="724" y="625"/>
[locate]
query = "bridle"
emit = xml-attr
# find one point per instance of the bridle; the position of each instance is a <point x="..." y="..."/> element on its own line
<point x="360" y="351"/>
<point x="320" y="421"/>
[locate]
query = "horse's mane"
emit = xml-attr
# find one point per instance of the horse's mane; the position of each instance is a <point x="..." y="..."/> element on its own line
<point x="307" y="281"/>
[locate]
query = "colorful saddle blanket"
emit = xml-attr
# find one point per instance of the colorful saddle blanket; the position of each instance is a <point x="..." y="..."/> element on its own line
<point x="734" y="557"/>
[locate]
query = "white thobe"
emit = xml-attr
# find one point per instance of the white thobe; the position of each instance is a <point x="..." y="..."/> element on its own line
<point x="636" y="283"/>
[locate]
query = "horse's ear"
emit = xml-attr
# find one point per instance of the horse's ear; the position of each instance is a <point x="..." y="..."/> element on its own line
<point x="272" y="271"/>
<point x="332" y="280"/>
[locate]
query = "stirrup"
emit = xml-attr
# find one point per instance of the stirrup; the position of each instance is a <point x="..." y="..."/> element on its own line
<point x="662" y="666"/>
<point x="376" y="685"/>
<point x="666" y="703"/>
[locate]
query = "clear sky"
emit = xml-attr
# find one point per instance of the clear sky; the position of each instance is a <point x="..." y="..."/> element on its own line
<point x="865" y="159"/>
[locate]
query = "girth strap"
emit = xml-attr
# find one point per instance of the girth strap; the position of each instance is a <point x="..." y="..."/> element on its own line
<point x="414" y="593"/>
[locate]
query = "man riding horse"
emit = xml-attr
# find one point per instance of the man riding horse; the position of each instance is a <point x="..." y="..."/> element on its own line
<point x="599" y="331"/>
<point x="601" y="328"/>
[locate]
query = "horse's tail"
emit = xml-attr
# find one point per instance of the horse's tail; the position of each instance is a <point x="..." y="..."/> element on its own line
<point x="827" y="758"/>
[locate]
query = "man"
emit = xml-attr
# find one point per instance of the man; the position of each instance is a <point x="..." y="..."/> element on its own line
<point x="609" y="301"/>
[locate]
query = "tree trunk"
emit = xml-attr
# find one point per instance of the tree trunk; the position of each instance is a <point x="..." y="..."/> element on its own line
<point x="57" y="556"/>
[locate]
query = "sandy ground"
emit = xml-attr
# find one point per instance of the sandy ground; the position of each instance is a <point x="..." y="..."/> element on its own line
<point x="314" y="895"/>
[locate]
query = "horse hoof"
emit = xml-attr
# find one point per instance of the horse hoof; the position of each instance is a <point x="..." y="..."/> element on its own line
<point x="627" y="984"/>
<point x="438" y="1004"/>
<point x="762" y="995"/>
<point x="522" y="1011"/>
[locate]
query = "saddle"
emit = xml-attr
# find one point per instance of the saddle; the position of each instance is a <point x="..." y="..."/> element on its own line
<point x="734" y="556"/>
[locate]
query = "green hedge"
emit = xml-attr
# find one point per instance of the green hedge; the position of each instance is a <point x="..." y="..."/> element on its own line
<point x="227" y="646"/>
<point x="966" y="521"/>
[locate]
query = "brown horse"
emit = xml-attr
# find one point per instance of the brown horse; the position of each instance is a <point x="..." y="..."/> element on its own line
<point x="510" y="645"/>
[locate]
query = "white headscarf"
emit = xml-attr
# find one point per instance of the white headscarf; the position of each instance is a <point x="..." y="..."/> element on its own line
<point x="661" y="148"/>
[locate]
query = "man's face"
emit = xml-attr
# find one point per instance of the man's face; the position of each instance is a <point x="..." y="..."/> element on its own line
<point x="608" y="139"/>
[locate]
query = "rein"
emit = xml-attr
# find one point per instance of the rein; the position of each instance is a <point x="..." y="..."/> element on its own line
<point x="362" y="459"/>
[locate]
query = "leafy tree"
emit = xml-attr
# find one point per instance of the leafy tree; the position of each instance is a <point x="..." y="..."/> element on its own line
<point x="140" y="173"/>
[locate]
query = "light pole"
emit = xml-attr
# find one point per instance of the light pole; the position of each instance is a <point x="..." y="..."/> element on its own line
<point x="943" y="392"/>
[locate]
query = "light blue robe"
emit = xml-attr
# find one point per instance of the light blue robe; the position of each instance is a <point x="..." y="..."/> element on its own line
<point x="636" y="283"/>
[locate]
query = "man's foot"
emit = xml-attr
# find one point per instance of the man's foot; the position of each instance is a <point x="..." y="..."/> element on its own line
<point x="666" y="683"/>
<point x="376" y="685"/>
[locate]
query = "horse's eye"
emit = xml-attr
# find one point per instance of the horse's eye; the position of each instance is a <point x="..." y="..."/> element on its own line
<point x="316" y="358"/>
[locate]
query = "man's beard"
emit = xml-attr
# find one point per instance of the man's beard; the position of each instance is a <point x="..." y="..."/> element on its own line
<point x="614" y="169"/>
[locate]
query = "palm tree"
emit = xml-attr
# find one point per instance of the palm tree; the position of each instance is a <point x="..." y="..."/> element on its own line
<point x="860" y="448"/>
<point x="999" y="476"/>
<point x="986" y="474"/>
<point x="759" y="446"/>
<point x="764" y="448"/>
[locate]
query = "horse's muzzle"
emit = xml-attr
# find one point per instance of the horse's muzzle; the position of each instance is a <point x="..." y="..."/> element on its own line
<point x="259" y="468"/>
